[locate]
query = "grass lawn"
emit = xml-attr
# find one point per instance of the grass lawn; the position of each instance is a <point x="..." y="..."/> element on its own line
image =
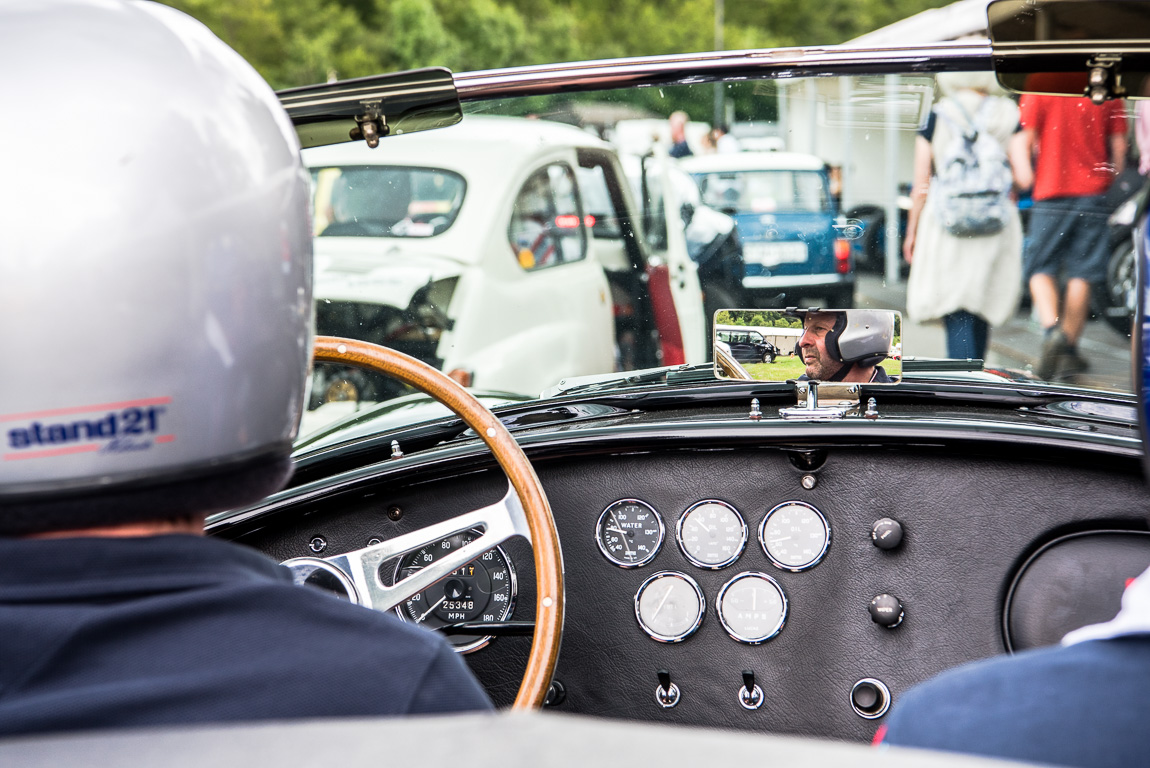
<point x="788" y="367"/>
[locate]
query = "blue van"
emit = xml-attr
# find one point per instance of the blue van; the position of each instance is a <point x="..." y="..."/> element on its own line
<point x="786" y="217"/>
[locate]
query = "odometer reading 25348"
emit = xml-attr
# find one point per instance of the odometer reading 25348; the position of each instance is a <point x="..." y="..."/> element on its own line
<point x="629" y="533"/>
<point x="482" y="590"/>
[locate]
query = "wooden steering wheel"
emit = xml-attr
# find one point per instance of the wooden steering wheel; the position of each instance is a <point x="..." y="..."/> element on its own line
<point x="525" y="512"/>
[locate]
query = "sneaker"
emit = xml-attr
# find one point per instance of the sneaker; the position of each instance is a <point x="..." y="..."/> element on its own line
<point x="1070" y="364"/>
<point x="1054" y="346"/>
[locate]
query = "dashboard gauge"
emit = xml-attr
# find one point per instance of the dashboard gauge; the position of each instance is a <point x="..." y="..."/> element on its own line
<point x="629" y="533"/>
<point x="669" y="606"/>
<point x="752" y="607"/>
<point x="712" y="534"/>
<point x="795" y="536"/>
<point x="482" y="590"/>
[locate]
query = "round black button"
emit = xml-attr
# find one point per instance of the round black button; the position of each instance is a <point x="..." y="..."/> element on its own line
<point x="886" y="533"/>
<point x="886" y="610"/>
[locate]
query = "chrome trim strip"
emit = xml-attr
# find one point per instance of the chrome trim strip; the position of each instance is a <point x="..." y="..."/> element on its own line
<point x="687" y="69"/>
<point x="732" y="432"/>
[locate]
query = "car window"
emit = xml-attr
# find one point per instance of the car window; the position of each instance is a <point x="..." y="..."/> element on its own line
<point x="384" y="201"/>
<point x="547" y="226"/>
<point x="765" y="191"/>
<point x="600" y="213"/>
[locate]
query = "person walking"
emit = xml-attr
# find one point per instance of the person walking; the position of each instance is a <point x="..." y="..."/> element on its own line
<point x="965" y="257"/>
<point x="1071" y="150"/>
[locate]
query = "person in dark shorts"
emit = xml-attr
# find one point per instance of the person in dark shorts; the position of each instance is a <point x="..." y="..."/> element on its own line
<point x="1077" y="148"/>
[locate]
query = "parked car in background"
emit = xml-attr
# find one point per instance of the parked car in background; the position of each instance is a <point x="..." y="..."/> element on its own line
<point x="668" y="197"/>
<point x="748" y="345"/>
<point x="483" y="257"/>
<point x="786" y="218"/>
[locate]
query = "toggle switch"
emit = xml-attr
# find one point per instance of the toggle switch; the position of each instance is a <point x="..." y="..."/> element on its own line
<point x="750" y="695"/>
<point x="666" y="693"/>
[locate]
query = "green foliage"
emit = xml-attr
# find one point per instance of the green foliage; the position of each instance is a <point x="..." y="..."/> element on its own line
<point x="765" y="318"/>
<point x="297" y="42"/>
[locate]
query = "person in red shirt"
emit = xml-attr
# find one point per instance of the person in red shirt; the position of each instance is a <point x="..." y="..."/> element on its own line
<point x="1077" y="149"/>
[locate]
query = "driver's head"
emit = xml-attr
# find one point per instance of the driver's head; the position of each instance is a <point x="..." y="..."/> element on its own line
<point x="155" y="269"/>
<point x="852" y="339"/>
<point x="817" y="327"/>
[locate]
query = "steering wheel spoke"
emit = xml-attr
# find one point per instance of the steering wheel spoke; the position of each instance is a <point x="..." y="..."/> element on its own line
<point x="523" y="511"/>
<point x="497" y="522"/>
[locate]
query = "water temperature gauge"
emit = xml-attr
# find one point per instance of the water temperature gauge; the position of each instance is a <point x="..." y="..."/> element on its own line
<point x="629" y="533"/>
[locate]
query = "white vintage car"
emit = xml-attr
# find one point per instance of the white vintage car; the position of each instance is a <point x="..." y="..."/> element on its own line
<point x="503" y="257"/>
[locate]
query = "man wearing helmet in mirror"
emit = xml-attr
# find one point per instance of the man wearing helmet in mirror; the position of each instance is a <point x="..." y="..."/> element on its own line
<point x="171" y="366"/>
<point x="845" y="345"/>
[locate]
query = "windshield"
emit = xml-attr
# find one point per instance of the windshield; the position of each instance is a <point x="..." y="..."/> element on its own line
<point x="580" y="255"/>
<point x="764" y="191"/>
<point x="384" y="201"/>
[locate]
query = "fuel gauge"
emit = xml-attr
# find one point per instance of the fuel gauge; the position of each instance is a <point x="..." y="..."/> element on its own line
<point x="629" y="533"/>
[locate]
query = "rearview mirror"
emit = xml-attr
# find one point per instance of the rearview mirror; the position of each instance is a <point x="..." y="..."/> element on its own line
<point x="843" y="345"/>
<point x="370" y="108"/>
<point x="1094" y="48"/>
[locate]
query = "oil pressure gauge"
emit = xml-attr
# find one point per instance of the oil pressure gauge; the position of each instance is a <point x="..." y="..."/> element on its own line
<point x="629" y="533"/>
<point x="712" y="534"/>
<point x="795" y="536"/>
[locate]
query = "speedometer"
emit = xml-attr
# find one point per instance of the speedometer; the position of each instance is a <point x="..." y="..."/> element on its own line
<point x="482" y="590"/>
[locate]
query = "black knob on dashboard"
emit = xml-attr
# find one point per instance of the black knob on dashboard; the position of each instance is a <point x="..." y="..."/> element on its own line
<point x="886" y="610"/>
<point x="886" y="533"/>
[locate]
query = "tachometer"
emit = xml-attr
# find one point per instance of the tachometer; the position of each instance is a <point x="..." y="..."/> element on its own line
<point x="629" y="533"/>
<point x="795" y="536"/>
<point x="482" y="590"/>
<point x="712" y="534"/>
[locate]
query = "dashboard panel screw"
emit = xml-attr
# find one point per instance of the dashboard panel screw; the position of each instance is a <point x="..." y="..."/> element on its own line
<point x="394" y="512"/>
<point x="809" y="482"/>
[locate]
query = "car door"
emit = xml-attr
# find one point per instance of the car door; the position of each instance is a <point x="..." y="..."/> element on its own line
<point x="665" y="204"/>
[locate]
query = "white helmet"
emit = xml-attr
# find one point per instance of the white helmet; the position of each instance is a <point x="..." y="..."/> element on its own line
<point x="155" y="269"/>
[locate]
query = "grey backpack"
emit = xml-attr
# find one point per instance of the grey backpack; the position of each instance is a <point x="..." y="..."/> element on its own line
<point x="972" y="177"/>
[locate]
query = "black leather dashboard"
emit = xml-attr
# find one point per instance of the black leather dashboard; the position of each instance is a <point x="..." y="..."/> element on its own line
<point x="970" y="520"/>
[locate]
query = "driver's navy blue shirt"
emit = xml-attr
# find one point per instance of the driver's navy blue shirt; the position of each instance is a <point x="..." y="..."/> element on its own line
<point x="1086" y="704"/>
<point x="168" y="630"/>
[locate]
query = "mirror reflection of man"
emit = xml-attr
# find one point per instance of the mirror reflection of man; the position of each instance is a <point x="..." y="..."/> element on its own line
<point x="845" y="345"/>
